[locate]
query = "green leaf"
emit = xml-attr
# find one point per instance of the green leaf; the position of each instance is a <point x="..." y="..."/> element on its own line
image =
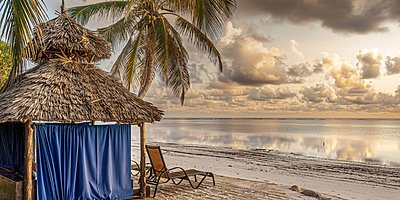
<point x="129" y="7"/>
<point x="208" y="15"/>
<point x="119" y="31"/>
<point x="132" y="58"/>
<point x="199" y="40"/>
<point x="104" y="10"/>
<point x="5" y="62"/>
<point x="17" y="22"/>
<point x="172" y="58"/>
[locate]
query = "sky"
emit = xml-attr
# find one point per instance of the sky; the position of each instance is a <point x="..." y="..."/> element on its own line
<point x="293" y="58"/>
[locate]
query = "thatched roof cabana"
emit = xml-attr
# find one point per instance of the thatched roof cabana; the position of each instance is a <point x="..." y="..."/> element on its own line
<point x="62" y="36"/>
<point x="66" y="87"/>
<point x="68" y="91"/>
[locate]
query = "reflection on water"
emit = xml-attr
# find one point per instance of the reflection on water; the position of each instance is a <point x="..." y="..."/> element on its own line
<point x="356" y="140"/>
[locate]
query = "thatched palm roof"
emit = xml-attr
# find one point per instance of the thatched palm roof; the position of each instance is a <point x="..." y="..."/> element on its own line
<point x="69" y="91"/>
<point x="62" y="36"/>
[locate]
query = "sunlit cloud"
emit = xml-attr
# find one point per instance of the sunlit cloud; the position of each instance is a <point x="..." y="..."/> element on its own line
<point x="393" y="65"/>
<point x="319" y="93"/>
<point x="370" y="61"/>
<point x="249" y="62"/>
<point x="295" y="49"/>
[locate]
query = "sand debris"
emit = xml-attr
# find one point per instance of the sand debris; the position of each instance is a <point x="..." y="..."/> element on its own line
<point x="307" y="192"/>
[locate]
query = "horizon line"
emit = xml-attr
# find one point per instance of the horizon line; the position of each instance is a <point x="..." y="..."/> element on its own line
<point x="284" y="118"/>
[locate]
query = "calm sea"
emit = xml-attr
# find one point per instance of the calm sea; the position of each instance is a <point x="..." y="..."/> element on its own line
<point x="376" y="141"/>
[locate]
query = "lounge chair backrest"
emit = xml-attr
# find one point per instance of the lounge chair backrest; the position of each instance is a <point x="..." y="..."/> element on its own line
<point x="157" y="160"/>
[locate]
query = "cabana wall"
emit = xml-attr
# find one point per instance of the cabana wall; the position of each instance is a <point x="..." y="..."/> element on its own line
<point x="12" y="149"/>
<point x="12" y="146"/>
<point x="83" y="161"/>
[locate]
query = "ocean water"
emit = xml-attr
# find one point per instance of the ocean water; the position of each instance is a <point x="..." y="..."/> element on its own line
<point x="367" y="140"/>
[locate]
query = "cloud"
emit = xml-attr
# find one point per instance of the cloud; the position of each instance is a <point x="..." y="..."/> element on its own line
<point x="299" y="72"/>
<point x="346" y="16"/>
<point x="198" y="73"/>
<point x="382" y="99"/>
<point x="325" y="62"/>
<point x="295" y="49"/>
<point x="392" y="65"/>
<point x="371" y="61"/>
<point x="319" y="93"/>
<point x="247" y="30"/>
<point x="268" y="93"/>
<point x="249" y="62"/>
<point x="347" y="77"/>
<point x="361" y="99"/>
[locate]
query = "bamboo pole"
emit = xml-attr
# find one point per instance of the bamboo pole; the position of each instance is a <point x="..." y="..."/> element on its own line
<point x="143" y="160"/>
<point x="28" y="164"/>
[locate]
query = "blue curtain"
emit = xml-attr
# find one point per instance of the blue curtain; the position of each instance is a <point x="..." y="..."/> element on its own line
<point x="12" y="146"/>
<point x="83" y="161"/>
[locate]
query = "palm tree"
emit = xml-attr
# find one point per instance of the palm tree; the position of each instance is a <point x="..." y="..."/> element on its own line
<point x="154" y="44"/>
<point x="5" y="62"/>
<point x="16" y="25"/>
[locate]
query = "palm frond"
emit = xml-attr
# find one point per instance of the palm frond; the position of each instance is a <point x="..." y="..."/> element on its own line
<point x="208" y="15"/>
<point x="162" y="48"/>
<point x="131" y="65"/>
<point x="121" y="59"/>
<point x="108" y="9"/>
<point x="17" y="22"/>
<point x="178" y="76"/>
<point x="120" y="30"/>
<point x="171" y="58"/>
<point x="180" y="6"/>
<point x="199" y="40"/>
<point x="129" y="7"/>
<point x="148" y="72"/>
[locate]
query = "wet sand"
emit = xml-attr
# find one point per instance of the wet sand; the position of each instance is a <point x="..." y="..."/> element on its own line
<point x="332" y="178"/>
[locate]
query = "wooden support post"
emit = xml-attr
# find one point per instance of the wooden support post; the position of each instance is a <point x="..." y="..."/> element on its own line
<point x="28" y="164"/>
<point x="143" y="160"/>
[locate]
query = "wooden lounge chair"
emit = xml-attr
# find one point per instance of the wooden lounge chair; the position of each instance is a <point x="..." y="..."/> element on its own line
<point x="177" y="174"/>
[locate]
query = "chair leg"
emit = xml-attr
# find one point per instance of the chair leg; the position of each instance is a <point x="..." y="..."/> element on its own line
<point x="212" y="176"/>
<point x="204" y="177"/>
<point x="155" y="189"/>
<point x="198" y="185"/>
<point x="178" y="182"/>
<point x="191" y="184"/>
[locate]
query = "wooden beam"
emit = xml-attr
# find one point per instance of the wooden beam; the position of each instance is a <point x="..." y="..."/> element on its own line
<point x="28" y="164"/>
<point x="143" y="160"/>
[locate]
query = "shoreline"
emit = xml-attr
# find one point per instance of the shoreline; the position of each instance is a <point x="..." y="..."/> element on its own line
<point x="333" y="178"/>
<point x="280" y="118"/>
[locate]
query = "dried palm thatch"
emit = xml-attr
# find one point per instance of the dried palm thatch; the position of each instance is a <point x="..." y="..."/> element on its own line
<point x="63" y="37"/>
<point x="68" y="91"/>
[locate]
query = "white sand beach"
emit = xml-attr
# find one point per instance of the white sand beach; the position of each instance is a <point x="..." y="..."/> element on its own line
<point x="276" y="172"/>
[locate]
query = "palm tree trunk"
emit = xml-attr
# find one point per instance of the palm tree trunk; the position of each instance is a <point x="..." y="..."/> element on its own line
<point x="144" y="88"/>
